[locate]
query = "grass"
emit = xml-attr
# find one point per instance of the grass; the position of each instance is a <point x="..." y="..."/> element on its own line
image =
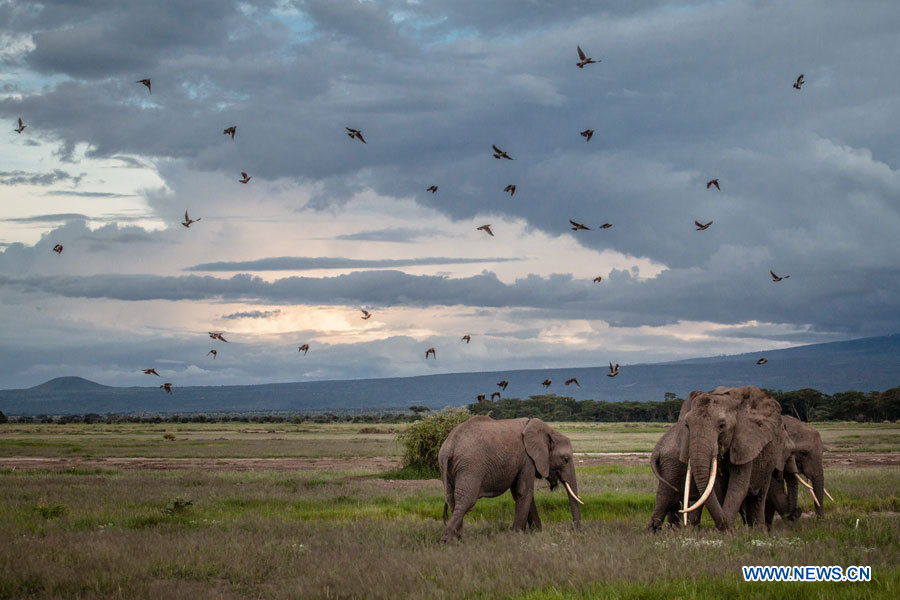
<point x="351" y="532"/>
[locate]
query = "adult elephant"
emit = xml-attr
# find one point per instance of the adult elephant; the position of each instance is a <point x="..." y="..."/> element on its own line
<point x="743" y="428"/>
<point x="482" y="458"/>
<point x="670" y="472"/>
<point x="807" y="460"/>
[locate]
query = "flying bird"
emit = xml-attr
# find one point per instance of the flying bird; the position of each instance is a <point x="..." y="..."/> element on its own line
<point x="466" y="338"/>
<point x="214" y="352"/>
<point x="366" y="314"/>
<point x="583" y="59"/>
<point x="188" y="220"/>
<point x="605" y="226"/>
<point x="145" y="82"/>
<point x="702" y="227"/>
<point x="486" y="229"/>
<point x="231" y="130"/>
<point x="587" y="133"/>
<point x="573" y="380"/>
<point x="577" y="226"/>
<point x="432" y="189"/>
<point x="598" y="279"/>
<point x="502" y="385"/>
<point x="613" y="371"/>
<point x="245" y="178"/>
<point x="546" y="383"/>
<point x="495" y="394"/>
<point x="713" y="182"/>
<point x="304" y="349"/>
<point x="355" y="133"/>
<point x="217" y="336"/>
<point x="511" y="188"/>
<point x="22" y="126"/>
<point x="431" y="352"/>
<point x="167" y="387"/>
<point x="776" y="277"/>
<point x="762" y="361"/>
<point x="799" y="82"/>
<point x="151" y="372"/>
<point x="498" y="153"/>
<point x="58" y="248"/>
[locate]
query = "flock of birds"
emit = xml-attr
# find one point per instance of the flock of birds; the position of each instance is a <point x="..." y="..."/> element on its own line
<point x="498" y="154"/>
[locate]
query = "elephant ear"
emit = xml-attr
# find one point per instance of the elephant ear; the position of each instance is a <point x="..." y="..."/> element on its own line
<point x="682" y="441"/>
<point x="786" y="460"/>
<point x="686" y="405"/>
<point x="758" y="422"/>
<point x="537" y="444"/>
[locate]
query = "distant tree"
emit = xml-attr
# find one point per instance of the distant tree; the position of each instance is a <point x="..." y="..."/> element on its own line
<point x="3" y="418"/>
<point x="419" y="409"/>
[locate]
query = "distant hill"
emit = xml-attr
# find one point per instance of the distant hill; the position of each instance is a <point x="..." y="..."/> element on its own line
<point x="863" y="364"/>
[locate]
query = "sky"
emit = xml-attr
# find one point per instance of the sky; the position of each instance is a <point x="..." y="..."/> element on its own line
<point x="683" y="92"/>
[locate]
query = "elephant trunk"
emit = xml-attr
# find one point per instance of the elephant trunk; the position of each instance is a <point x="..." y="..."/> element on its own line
<point x="701" y="463"/>
<point x="792" y="492"/>
<point x="571" y="485"/>
<point x="818" y="484"/>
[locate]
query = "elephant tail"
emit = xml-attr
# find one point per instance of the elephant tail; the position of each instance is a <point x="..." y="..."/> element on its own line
<point x="653" y="465"/>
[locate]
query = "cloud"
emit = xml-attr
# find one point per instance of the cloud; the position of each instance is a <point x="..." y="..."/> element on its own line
<point x="253" y="314"/>
<point x="52" y="218"/>
<point x="304" y="263"/>
<point x="26" y="178"/>
<point x="403" y="235"/>
<point x="87" y="194"/>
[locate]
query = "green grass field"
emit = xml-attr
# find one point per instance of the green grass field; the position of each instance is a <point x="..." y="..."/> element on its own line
<point x="74" y="527"/>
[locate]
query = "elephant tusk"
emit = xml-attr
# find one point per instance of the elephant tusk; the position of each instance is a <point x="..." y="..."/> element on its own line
<point x="571" y="493"/>
<point x="687" y="489"/>
<point x="829" y="495"/>
<point x="709" y="486"/>
<point x="809" y="487"/>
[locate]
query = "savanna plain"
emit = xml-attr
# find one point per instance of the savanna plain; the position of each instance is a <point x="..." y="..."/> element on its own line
<point x="324" y="511"/>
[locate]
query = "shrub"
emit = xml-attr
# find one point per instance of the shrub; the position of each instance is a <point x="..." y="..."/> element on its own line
<point x="169" y="436"/>
<point x="422" y="440"/>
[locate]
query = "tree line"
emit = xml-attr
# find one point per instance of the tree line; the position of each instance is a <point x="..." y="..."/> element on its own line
<point x="806" y="404"/>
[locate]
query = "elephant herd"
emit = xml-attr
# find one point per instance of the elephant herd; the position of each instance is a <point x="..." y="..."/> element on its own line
<point x="731" y="451"/>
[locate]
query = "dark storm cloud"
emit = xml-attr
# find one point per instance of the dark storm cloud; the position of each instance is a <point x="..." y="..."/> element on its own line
<point x="26" y="178"/>
<point x="307" y="263"/>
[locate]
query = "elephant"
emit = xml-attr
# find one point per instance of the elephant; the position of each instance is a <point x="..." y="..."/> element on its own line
<point x="483" y="457"/>
<point x="806" y="460"/>
<point x="669" y="472"/>
<point x="743" y="428"/>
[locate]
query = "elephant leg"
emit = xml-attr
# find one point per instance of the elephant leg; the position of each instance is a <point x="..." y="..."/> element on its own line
<point x="770" y="513"/>
<point x="663" y="508"/>
<point x="534" y="521"/>
<point x="464" y="497"/>
<point x="738" y="484"/>
<point x="523" y="494"/>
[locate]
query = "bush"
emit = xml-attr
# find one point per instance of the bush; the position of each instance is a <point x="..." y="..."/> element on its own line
<point x="422" y="440"/>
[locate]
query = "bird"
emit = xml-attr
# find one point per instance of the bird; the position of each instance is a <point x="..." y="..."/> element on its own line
<point x="502" y="385"/>
<point x="232" y="130"/>
<point x="480" y="397"/>
<point x="167" y="387"/>
<point x="245" y="178"/>
<point x="587" y="133"/>
<point x="22" y="126"/>
<point x="304" y="349"/>
<point x="776" y="278"/>
<point x="573" y="380"/>
<point x="495" y="394"/>
<point x="584" y="60"/>
<point x="214" y="352"/>
<point x="799" y="82"/>
<point x="217" y="336"/>
<point x="431" y="352"/>
<point x="486" y="229"/>
<point x="145" y="82"/>
<point x="466" y="338"/>
<point x="701" y="227"/>
<point x="598" y="279"/>
<point x="546" y="383"/>
<point x="151" y="372"/>
<point x="713" y="182"/>
<point x="613" y="371"/>
<point x="188" y="220"/>
<point x="366" y="314"/>
<point x="605" y="226"/>
<point x="577" y="226"/>
<point x="356" y="133"/>
<point x="58" y="248"/>
<point x="432" y="189"/>
<point x="498" y="153"/>
<point x="511" y="188"/>
<point x="762" y="361"/>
